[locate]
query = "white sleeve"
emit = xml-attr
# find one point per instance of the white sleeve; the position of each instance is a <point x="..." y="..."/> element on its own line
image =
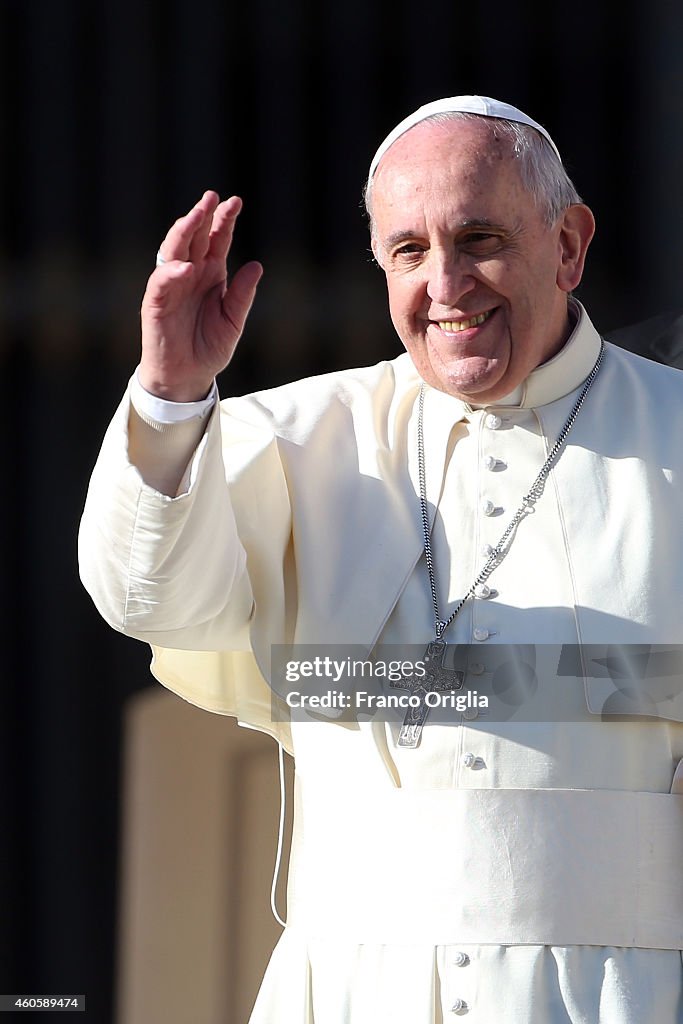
<point x="168" y="570"/>
<point x="162" y="411"/>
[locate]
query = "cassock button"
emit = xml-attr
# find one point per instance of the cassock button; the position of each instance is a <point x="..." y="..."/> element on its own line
<point x="469" y="760"/>
<point x="459" y="1006"/>
<point x="470" y="714"/>
<point x="490" y="462"/>
<point x="476" y="668"/>
<point x="487" y="550"/>
<point x="487" y="507"/>
<point x="481" y="634"/>
<point x="493" y="422"/>
<point x="482" y="591"/>
<point x="461" y="959"/>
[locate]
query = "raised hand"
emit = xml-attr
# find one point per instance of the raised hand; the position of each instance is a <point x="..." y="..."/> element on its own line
<point x="192" y="316"/>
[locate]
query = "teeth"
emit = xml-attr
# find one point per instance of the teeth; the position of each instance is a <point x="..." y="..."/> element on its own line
<point x="454" y="326"/>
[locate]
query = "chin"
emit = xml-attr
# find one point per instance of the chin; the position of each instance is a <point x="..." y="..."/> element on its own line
<point x="473" y="375"/>
<point x="478" y="389"/>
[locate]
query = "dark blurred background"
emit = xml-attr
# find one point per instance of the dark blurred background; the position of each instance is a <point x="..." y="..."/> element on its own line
<point x="114" y="118"/>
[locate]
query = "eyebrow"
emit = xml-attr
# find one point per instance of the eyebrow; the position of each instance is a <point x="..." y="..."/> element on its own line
<point x="474" y="222"/>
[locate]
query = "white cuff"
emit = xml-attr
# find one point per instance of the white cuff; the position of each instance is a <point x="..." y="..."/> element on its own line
<point x="162" y="411"/>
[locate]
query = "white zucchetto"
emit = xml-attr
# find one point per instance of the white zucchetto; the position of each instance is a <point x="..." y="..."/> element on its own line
<point x="485" y="106"/>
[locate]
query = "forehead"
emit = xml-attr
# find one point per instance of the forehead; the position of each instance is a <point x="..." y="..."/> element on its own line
<point x="462" y="168"/>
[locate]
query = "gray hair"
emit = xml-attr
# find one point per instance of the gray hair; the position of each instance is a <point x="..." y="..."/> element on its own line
<point x="541" y="171"/>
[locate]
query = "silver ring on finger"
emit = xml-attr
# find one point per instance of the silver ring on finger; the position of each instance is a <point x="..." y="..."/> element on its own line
<point x="160" y="259"/>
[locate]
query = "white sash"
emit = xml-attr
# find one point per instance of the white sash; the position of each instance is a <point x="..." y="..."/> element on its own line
<point x="551" y="867"/>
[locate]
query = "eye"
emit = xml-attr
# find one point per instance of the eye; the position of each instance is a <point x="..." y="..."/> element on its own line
<point x="409" y="250"/>
<point x="481" y="242"/>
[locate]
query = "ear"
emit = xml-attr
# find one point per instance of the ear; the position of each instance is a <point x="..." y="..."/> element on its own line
<point x="576" y="231"/>
<point x="375" y="248"/>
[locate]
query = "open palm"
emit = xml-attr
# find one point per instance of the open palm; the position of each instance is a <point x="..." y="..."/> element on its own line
<point x="192" y="314"/>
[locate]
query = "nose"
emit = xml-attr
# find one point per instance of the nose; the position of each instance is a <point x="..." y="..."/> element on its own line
<point x="448" y="277"/>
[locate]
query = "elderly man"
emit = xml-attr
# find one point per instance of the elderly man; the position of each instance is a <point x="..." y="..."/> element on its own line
<point x="510" y="480"/>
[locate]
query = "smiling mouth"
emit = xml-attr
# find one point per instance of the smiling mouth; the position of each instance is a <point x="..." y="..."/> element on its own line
<point x="455" y="326"/>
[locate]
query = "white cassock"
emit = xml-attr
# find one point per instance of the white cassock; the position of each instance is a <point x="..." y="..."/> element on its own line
<point x="523" y="866"/>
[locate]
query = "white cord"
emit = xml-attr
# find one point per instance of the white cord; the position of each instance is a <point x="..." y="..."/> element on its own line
<point x="280" y="835"/>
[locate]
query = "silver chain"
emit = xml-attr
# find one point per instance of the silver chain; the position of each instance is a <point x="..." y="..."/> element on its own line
<point x="526" y="507"/>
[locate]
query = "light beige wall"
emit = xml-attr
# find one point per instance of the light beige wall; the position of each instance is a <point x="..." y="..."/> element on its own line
<point x="200" y="814"/>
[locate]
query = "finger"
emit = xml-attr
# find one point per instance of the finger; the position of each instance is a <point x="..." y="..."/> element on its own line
<point x="176" y="245"/>
<point x="223" y="227"/>
<point x="239" y="296"/>
<point x="167" y="285"/>
<point x="199" y="242"/>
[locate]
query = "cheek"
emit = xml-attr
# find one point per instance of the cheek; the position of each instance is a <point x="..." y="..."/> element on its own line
<point x="402" y="298"/>
<point x="398" y="299"/>
<point x="498" y="274"/>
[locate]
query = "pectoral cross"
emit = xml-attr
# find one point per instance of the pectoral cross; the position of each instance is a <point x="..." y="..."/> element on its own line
<point x="437" y="679"/>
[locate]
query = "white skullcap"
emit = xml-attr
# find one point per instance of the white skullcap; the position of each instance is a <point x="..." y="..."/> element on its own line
<point x="482" y="105"/>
